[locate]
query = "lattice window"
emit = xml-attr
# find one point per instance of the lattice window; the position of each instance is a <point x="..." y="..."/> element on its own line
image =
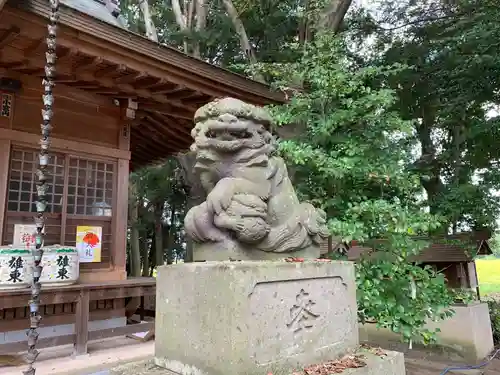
<point x="5" y="105"/>
<point x="22" y="182"/>
<point x="90" y="188"/>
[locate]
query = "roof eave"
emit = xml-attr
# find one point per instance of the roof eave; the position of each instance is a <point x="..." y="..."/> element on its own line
<point x="137" y="44"/>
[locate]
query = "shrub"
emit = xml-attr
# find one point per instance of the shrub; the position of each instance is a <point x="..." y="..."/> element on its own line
<point x="494" y="306"/>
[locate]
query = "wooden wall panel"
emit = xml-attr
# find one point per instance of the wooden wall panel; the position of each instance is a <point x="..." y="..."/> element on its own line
<point x="14" y="319"/>
<point x="52" y="226"/>
<point x="95" y="125"/>
<point x="4" y="123"/>
<point x="4" y="172"/>
<point x="76" y="116"/>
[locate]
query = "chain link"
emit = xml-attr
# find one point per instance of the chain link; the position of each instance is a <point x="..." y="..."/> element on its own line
<point x="42" y="187"/>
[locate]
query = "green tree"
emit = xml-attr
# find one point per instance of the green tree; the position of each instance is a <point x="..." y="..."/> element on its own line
<point x="161" y="203"/>
<point x="495" y="244"/>
<point x="351" y="161"/>
<point x="449" y="91"/>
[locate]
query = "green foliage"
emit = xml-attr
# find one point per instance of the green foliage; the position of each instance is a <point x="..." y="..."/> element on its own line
<point x="495" y="244"/>
<point x="392" y="290"/>
<point x="351" y="161"/>
<point x="494" y="306"/>
<point x="450" y="90"/>
<point x="464" y="296"/>
<point x="159" y="186"/>
<point x="269" y="25"/>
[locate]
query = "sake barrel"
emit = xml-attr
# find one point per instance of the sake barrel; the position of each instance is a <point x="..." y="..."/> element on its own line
<point x="60" y="266"/>
<point x="16" y="267"/>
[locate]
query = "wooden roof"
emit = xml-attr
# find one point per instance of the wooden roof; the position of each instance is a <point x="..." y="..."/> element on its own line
<point x="455" y="248"/>
<point x="103" y="58"/>
<point x="435" y="253"/>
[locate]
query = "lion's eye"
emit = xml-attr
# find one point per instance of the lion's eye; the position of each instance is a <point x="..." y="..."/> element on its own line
<point x="210" y="134"/>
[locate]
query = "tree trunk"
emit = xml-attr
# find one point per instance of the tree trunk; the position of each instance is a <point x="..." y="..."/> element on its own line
<point x="181" y="21"/>
<point x="333" y="15"/>
<point x="145" y="253"/>
<point x="148" y="21"/>
<point x="179" y="17"/>
<point x="135" y="251"/>
<point x="246" y="47"/>
<point x="168" y="236"/>
<point x="152" y="263"/>
<point x="170" y="242"/>
<point x="158" y="234"/>
<point x="194" y="190"/>
<point x="201" y="22"/>
<point x="166" y="240"/>
<point x="427" y="164"/>
<point x="305" y="25"/>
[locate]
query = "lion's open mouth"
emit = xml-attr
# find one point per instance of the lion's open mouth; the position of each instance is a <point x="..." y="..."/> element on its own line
<point x="227" y="134"/>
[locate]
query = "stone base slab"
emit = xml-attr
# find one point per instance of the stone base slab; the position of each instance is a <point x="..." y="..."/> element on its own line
<point x="218" y="318"/>
<point x="391" y="364"/>
<point x="473" y="341"/>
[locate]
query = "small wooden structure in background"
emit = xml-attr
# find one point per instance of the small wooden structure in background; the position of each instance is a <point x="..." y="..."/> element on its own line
<point x="121" y="101"/>
<point x="452" y="255"/>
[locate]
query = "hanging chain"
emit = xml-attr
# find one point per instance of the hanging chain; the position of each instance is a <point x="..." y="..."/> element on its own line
<point x="42" y="176"/>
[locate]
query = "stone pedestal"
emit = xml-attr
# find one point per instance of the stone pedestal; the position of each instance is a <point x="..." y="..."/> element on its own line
<point x="249" y="318"/>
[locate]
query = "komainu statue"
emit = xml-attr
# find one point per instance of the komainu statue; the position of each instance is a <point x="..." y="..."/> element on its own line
<point x="252" y="211"/>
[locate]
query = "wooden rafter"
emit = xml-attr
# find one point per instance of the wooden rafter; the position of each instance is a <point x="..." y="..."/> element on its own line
<point x="104" y="92"/>
<point x="152" y="137"/>
<point x="66" y="55"/>
<point x="8" y="35"/>
<point x="144" y="153"/>
<point x="184" y="94"/>
<point x="92" y="64"/>
<point x="105" y="77"/>
<point x="169" y="91"/>
<point x="174" y="134"/>
<point x="33" y="47"/>
<point x="111" y="71"/>
<point x="161" y="84"/>
<point x="167" y="110"/>
<point x="177" y="124"/>
<point x="21" y="64"/>
<point x="132" y="78"/>
<point x="139" y="54"/>
<point x="152" y="144"/>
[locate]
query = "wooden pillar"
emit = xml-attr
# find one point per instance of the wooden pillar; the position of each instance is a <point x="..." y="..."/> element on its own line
<point x="82" y="315"/>
<point x="462" y="276"/>
<point x="4" y="177"/>
<point x="120" y="209"/>
<point x="120" y="217"/>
